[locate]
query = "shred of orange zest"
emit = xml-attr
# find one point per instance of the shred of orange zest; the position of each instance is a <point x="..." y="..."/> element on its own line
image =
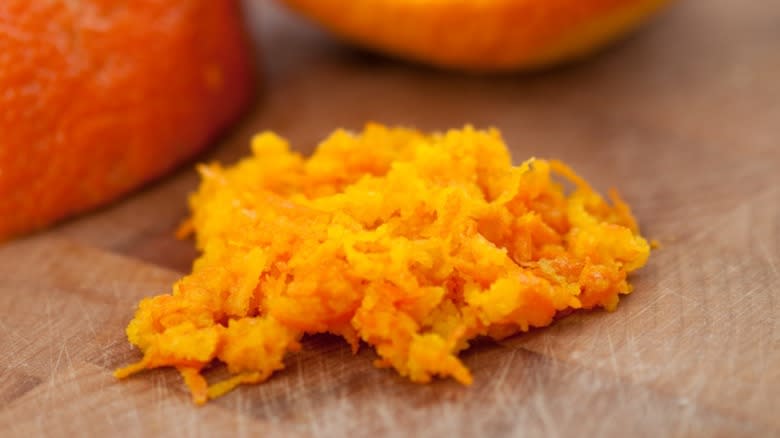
<point x="623" y="210"/>
<point x="185" y="230"/>
<point x="412" y="243"/>
<point x="463" y="376"/>
<point x="221" y="388"/>
<point x="196" y="383"/>
<point x="131" y="369"/>
<point x="567" y="172"/>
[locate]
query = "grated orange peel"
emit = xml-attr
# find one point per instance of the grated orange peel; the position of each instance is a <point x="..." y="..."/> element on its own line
<point x="414" y="244"/>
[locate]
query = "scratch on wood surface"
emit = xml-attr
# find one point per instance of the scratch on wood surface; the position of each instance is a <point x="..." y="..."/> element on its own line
<point x="10" y="356"/>
<point x="12" y="332"/>
<point x="54" y="371"/>
<point x="305" y="403"/>
<point x="548" y="420"/>
<point x="771" y="261"/>
<point x="87" y="315"/>
<point x="503" y="371"/>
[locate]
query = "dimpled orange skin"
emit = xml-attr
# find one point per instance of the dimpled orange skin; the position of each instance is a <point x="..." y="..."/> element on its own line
<point x="481" y="35"/>
<point x="100" y="96"/>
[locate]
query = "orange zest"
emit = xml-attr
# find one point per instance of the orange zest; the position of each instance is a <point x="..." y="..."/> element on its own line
<point x="411" y="243"/>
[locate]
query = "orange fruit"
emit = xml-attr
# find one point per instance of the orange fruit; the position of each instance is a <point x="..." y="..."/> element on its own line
<point x="481" y="34"/>
<point x="101" y="96"/>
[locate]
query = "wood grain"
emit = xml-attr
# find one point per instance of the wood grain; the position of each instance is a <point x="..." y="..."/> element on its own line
<point x="684" y="118"/>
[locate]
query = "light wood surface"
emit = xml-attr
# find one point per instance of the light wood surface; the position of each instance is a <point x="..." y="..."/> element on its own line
<point x="684" y="118"/>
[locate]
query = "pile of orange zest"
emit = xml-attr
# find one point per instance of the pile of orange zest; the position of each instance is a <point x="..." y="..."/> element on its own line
<point x="414" y="244"/>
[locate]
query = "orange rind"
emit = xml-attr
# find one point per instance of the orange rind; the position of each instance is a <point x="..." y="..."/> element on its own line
<point x="100" y="96"/>
<point x="481" y="35"/>
<point x="413" y="244"/>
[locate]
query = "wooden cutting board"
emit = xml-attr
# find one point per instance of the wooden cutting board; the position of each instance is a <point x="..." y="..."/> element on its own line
<point x="684" y="117"/>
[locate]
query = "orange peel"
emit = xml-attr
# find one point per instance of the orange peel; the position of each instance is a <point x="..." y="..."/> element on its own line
<point x="99" y="97"/>
<point x="414" y="244"/>
<point x="482" y="35"/>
